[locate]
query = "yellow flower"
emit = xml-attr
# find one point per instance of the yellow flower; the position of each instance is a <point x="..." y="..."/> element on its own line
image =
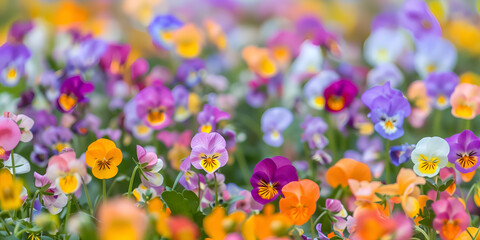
<point x="188" y="41"/>
<point x="10" y="190"/>
<point x="103" y="157"/>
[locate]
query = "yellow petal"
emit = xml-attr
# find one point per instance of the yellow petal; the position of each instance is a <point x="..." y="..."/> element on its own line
<point x="69" y="183"/>
<point x="104" y="173"/>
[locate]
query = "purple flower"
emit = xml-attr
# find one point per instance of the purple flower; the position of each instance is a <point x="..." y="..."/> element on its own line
<point x="274" y="121"/>
<point x="190" y="179"/>
<point x="230" y="136"/>
<point x="57" y="138"/>
<point x="314" y="130"/>
<point x="255" y="98"/>
<point x="440" y="86"/>
<point x="86" y="54"/>
<point x="388" y="109"/>
<point x="72" y="92"/>
<point x="12" y="63"/>
<point x="400" y="154"/>
<point x="18" y="30"/>
<point x="464" y="151"/>
<point x="386" y="19"/>
<point x="321" y="235"/>
<point x="269" y="177"/>
<point x="155" y="106"/>
<point x="386" y="72"/>
<point x="191" y="72"/>
<point x="208" y="151"/>
<point x="368" y="151"/>
<point x="417" y="18"/>
<point x="209" y="117"/>
<point x="114" y="59"/>
<point x="43" y="120"/>
<point x="333" y="205"/>
<point x="181" y="97"/>
<point x="26" y="98"/>
<point x="40" y="155"/>
<point x="161" y="29"/>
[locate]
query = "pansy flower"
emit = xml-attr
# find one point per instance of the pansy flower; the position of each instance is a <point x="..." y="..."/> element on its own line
<point x="190" y="180"/>
<point x="191" y="72"/>
<point x="384" y="45"/>
<point x="54" y="202"/>
<point x="440" y="86"/>
<point x="269" y="177"/>
<point x="151" y="165"/>
<point x="209" y="117"/>
<point x="386" y="72"/>
<point x="72" y="92"/>
<point x="10" y="191"/>
<point x="103" y="157"/>
<point x="24" y="123"/>
<point x="284" y="46"/>
<point x="208" y="151"/>
<point x="188" y="41"/>
<point x="181" y="96"/>
<point x="450" y="217"/>
<point x="57" y="138"/>
<point x="434" y="54"/>
<point x="155" y="106"/>
<point x="66" y="172"/>
<point x="10" y="136"/>
<point x="314" y="130"/>
<point x="339" y="95"/>
<point x="315" y="87"/>
<point x="309" y="60"/>
<point x="421" y="107"/>
<point x="401" y="153"/>
<point x="12" y="64"/>
<point x="346" y="169"/>
<point x="388" y="109"/>
<point x="86" y="54"/>
<point x="416" y="17"/>
<point x="161" y="30"/>
<point x="274" y="121"/>
<point x="429" y="156"/>
<point x="465" y="101"/>
<point x="115" y="59"/>
<point x="300" y="200"/>
<point x="259" y="61"/>
<point x="216" y="34"/>
<point x="18" y="30"/>
<point x="464" y="151"/>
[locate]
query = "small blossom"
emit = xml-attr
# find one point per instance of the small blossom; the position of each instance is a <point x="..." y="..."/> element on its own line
<point x="274" y="121"/>
<point x="72" y="92"/>
<point x="103" y="157"/>
<point x="429" y="156"/>
<point x="464" y="151"/>
<point x="208" y="151"/>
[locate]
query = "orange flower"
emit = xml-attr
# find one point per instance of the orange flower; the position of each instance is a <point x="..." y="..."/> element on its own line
<point x="121" y="219"/>
<point x="300" y="200"/>
<point x="259" y="61"/>
<point x="266" y="225"/>
<point x="217" y="224"/>
<point x="366" y="199"/>
<point x="216" y="34"/>
<point x="465" y="101"/>
<point x="103" y="157"/>
<point x="346" y="169"/>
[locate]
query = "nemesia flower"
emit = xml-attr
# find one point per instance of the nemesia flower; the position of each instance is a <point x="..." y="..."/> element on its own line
<point x="464" y="150"/>
<point x="103" y="157"/>
<point x="209" y="117"/>
<point x="440" y="86"/>
<point x="400" y="154"/>
<point x="300" y="200"/>
<point x="387" y="72"/>
<point x="434" y="54"/>
<point x="55" y="202"/>
<point x="269" y="177"/>
<point x="274" y="121"/>
<point x="229" y="223"/>
<point x="450" y="218"/>
<point x="24" y="123"/>
<point x="150" y="172"/>
<point x="10" y="191"/>
<point x="121" y="219"/>
<point x="208" y="151"/>
<point x="161" y="29"/>
<point x="314" y="89"/>
<point x="416" y="17"/>
<point x="339" y="95"/>
<point x="66" y="172"/>
<point x="187" y="41"/>
<point x="155" y="106"/>
<point x="465" y="101"/>
<point x="345" y="169"/>
<point x="72" y="92"/>
<point x="429" y="156"/>
<point x="421" y="107"/>
<point x="259" y="61"/>
<point x="314" y="130"/>
<point x="10" y="136"/>
<point x="384" y="45"/>
<point x="12" y="64"/>
<point x="388" y="109"/>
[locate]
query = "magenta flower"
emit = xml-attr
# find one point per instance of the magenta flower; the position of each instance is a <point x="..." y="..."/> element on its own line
<point x="72" y="92"/>
<point x="151" y="165"/>
<point x="339" y="95"/>
<point x="114" y="59"/>
<point x="451" y="218"/>
<point x="155" y="106"/>
<point x="269" y="177"/>
<point x="209" y="117"/>
<point x="464" y="151"/>
<point x="208" y="151"/>
<point x="9" y="136"/>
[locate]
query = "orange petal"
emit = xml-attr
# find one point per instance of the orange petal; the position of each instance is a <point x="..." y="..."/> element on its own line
<point x="104" y="173"/>
<point x="114" y="156"/>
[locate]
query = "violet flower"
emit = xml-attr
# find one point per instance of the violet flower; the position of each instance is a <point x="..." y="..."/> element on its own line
<point x="155" y="106"/>
<point x="161" y="29"/>
<point x="114" y="59"/>
<point x="464" y="151"/>
<point x="274" y="121"/>
<point x="72" y="92"/>
<point x="386" y="72"/>
<point x="440" y="86"/>
<point x="191" y="72"/>
<point x="86" y="54"/>
<point x="416" y="17"/>
<point x="208" y="151"/>
<point x="12" y="63"/>
<point x="209" y="117"/>
<point x="190" y="180"/>
<point x="18" y="30"/>
<point x="269" y="177"/>
<point x="401" y="153"/>
<point x="40" y="155"/>
<point x="314" y="130"/>
<point x="181" y="98"/>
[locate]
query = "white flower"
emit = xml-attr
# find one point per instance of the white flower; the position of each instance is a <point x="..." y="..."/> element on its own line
<point x="429" y="156"/>
<point x="383" y="46"/>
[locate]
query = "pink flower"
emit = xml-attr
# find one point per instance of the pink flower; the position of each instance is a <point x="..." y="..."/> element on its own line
<point x="9" y="136"/>
<point x="24" y="123"/>
<point x="66" y="171"/>
<point x="151" y="165"/>
<point x="451" y="218"/>
<point x="55" y="202"/>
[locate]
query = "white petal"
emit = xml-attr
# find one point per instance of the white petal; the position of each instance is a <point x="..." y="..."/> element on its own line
<point x="157" y="167"/>
<point x="21" y="164"/>
<point x="26" y="136"/>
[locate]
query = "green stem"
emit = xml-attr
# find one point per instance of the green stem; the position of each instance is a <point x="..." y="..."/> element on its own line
<point x="216" y="189"/>
<point x="199" y="195"/>
<point x="387" y="162"/>
<point x="130" y="186"/>
<point x="66" y="217"/>
<point x="243" y="164"/>
<point x="5" y="226"/>
<point x="311" y="162"/>
<point x="104" y="191"/>
<point x="437" y="122"/>
<point x="312" y="229"/>
<point x="33" y="203"/>
<point x="320" y="217"/>
<point x="13" y="163"/>
<point x="468" y="123"/>
<point x="418" y="229"/>
<point x="177" y="179"/>
<point x="85" y="189"/>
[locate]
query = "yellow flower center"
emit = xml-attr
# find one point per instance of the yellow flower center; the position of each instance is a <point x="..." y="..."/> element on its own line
<point x="188" y="48"/>
<point x="156" y="116"/>
<point x="68" y="184"/>
<point x="281" y="53"/>
<point x="167" y="36"/>
<point x="207" y="128"/>
<point x="60" y="146"/>
<point x="12" y="73"/>
<point x="67" y="101"/>
<point x="267" y="67"/>
<point x="2" y="151"/>
<point x="382" y="54"/>
<point x="431" y="67"/>
<point x="299" y="212"/>
<point x="319" y="102"/>
<point x="464" y="111"/>
<point x="267" y="190"/>
<point x="210" y="163"/>
<point x="142" y="129"/>
<point x="442" y="100"/>
<point x="428" y="165"/>
<point x="336" y="103"/>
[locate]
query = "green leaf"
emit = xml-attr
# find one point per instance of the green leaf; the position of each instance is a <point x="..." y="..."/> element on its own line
<point x="176" y="202"/>
<point x="192" y="199"/>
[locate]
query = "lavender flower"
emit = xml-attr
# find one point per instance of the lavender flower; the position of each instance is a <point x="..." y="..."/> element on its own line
<point x="440" y="86"/>
<point x="274" y="121"/>
<point x="209" y="117"/>
<point x="208" y="151"/>
<point x="12" y="63"/>
<point x="416" y="17"/>
<point x="314" y="130"/>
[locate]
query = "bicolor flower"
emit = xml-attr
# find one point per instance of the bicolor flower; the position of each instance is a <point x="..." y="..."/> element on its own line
<point x="10" y="136"/>
<point x="209" y="117"/>
<point x="386" y="72"/>
<point x="72" y="92"/>
<point x="434" y="54"/>
<point x="54" y="202"/>
<point x="270" y="176"/>
<point x="314" y="89"/>
<point x="429" y="156"/>
<point x="388" y="109"/>
<point x="190" y="180"/>
<point x="464" y="151"/>
<point x="24" y="123"/>
<point x="151" y="165"/>
<point x="450" y="218"/>
<point x="155" y="106"/>
<point x="314" y="130"/>
<point x="191" y="72"/>
<point x="274" y="121"/>
<point x="465" y="101"/>
<point x="66" y="172"/>
<point x="384" y="45"/>
<point x="10" y="191"/>
<point x="259" y="61"/>
<point x="300" y="200"/>
<point x="345" y="169"/>
<point x="57" y="138"/>
<point x="161" y="30"/>
<point x="114" y="60"/>
<point x="339" y="95"/>
<point x="208" y="151"/>
<point x="188" y="41"/>
<point x="12" y="64"/>
<point x="440" y="87"/>
<point x="416" y="17"/>
<point x="401" y="153"/>
<point x="103" y="157"/>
